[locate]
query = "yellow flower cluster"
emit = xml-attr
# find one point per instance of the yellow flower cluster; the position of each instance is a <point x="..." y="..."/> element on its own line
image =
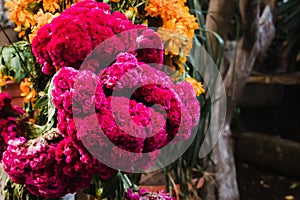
<point x="28" y="92"/>
<point x="51" y="5"/>
<point x="30" y="15"/>
<point x="178" y="26"/>
<point x="177" y="32"/>
<point x="198" y="86"/>
<point x="4" y="78"/>
<point x="41" y="19"/>
<point x="19" y="14"/>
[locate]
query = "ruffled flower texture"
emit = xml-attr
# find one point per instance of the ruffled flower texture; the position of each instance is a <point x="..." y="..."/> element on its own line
<point x="60" y="162"/>
<point x="95" y="113"/>
<point x="12" y="122"/>
<point x="33" y="163"/>
<point x="62" y="99"/>
<point x="51" y="166"/>
<point x="129" y="123"/>
<point x="71" y="36"/>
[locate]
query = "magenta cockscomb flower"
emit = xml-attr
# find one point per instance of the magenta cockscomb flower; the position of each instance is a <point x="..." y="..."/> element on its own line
<point x="33" y="163"/>
<point x="134" y="116"/>
<point x="92" y="118"/>
<point x="64" y="80"/>
<point x="186" y="92"/>
<point x="71" y="36"/>
<point x="128" y="73"/>
<point x="14" y="160"/>
<point x="40" y="49"/>
<point x="12" y="121"/>
<point x="149" y="49"/>
<point x="50" y="166"/>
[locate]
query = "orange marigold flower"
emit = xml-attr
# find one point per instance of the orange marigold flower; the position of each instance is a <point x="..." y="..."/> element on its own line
<point x="174" y="65"/>
<point x="175" y="16"/>
<point x="4" y="78"/>
<point x="28" y="92"/>
<point x="42" y="19"/>
<point x="70" y="3"/>
<point x="19" y="14"/>
<point x="198" y="86"/>
<point x="175" y="43"/>
<point x="51" y="5"/>
<point x="114" y="1"/>
<point x="32" y="120"/>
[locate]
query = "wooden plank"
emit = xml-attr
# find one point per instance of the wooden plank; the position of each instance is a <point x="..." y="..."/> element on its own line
<point x="284" y="79"/>
<point x="11" y="34"/>
<point x="269" y="152"/>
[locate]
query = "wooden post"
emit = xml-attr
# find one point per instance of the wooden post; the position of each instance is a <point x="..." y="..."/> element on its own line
<point x="257" y="35"/>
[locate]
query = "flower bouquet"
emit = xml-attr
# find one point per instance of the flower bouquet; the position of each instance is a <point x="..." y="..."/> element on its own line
<point x="108" y="96"/>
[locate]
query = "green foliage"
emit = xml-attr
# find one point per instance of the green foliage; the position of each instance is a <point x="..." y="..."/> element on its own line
<point x="46" y="115"/>
<point x="203" y="34"/>
<point x="17" y="60"/>
<point x="289" y="27"/>
<point x="189" y="167"/>
<point x="126" y="5"/>
<point x="113" y="188"/>
<point x="14" y="191"/>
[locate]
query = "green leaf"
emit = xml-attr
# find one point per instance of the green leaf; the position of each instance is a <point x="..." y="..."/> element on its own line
<point x="15" y="65"/>
<point x="3" y="68"/>
<point x="50" y="121"/>
<point x="7" y="53"/>
<point x="116" y="185"/>
<point x="41" y="102"/>
<point x="287" y="7"/>
<point x="34" y="130"/>
<point x="34" y="6"/>
<point x="126" y="182"/>
<point x="18" y="60"/>
<point x="51" y="108"/>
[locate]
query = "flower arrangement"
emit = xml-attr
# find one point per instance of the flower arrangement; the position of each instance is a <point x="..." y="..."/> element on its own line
<point x="175" y="16"/>
<point x="74" y="33"/>
<point x="12" y="120"/>
<point x="30" y="15"/>
<point x="92" y="55"/>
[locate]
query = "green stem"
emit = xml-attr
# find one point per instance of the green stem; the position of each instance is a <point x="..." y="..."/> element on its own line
<point x="23" y="65"/>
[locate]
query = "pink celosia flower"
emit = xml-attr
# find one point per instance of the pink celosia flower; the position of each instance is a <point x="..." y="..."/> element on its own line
<point x="51" y="168"/>
<point x="150" y="49"/>
<point x="71" y="36"/>
<point x="130" y="124"/>
<point x="188" y="96"/>
<point x="12" y="121"/>
<point x="40" y="49"/>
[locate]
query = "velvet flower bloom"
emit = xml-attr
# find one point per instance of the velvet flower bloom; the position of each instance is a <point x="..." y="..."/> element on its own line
<point x="71" y="36"/>
<point x="118" y="115"/>
<point x="12" y="122"/>
<point x="33" y="163"/>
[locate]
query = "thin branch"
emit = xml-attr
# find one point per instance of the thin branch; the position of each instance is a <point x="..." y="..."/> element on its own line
<point x="23" y="64"/>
